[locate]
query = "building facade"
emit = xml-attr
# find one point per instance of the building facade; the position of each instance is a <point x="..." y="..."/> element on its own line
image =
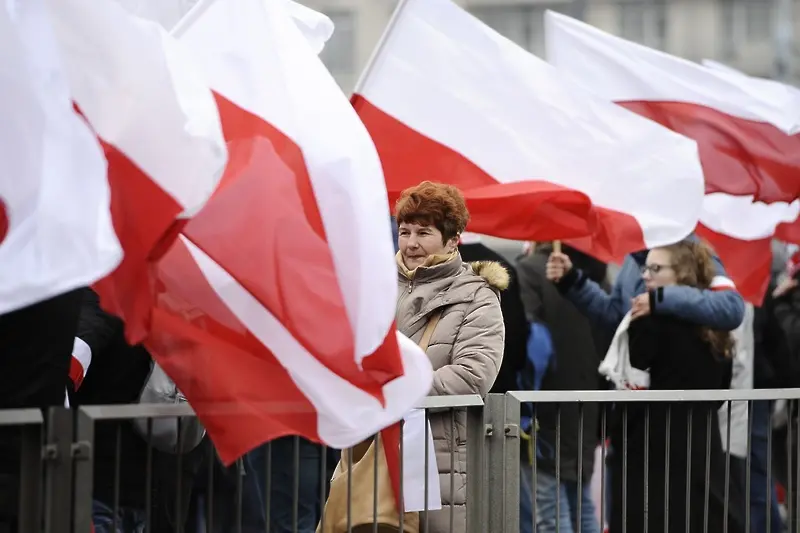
<point x="740" y="33"/>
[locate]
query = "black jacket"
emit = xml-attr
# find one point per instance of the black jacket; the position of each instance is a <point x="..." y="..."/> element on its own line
<point x="578" y="348"/>
<point x="677" y="358"/>
<point x="777" y="335"/>
<point x="515" y="349"/>
<point x="116" y="376"/>
<point x="35" y="350"/>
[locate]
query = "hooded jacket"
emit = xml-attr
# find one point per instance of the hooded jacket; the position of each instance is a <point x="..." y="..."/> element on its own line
<point x="465" y="350"/>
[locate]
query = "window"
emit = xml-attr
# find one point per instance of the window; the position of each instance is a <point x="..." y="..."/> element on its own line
<point x="523" y="24"/>
<point x="339" y="54"/>
<point x="643" y="22"/>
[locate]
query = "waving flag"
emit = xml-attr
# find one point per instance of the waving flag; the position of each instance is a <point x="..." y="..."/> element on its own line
<point x="55" y="227"/>
<point x="160" y="128"/>
<point x="741" y="232"/>
<point x="746" y="137"/>
<point x="315" y="26"/>
<point x="276" y="305"/>
<point x="538" y="157"/>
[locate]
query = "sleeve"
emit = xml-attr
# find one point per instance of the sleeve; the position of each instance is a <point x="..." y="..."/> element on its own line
<point x="477" y="350"/>
<point x="96" y="328"/>
<point x="716" y="309"/>
<point x="599" y="306"/>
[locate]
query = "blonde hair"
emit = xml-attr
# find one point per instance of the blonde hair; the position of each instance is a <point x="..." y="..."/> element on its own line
<point x="693" y="263"/>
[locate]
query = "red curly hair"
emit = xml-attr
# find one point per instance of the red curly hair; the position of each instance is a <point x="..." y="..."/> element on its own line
<point x="433" y="204"/>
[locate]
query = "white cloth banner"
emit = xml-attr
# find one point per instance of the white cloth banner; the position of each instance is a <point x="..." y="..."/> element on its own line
<point x="414" y="475"/>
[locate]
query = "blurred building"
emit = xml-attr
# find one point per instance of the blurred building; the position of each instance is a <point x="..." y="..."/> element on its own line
<point x="740" y="33"/>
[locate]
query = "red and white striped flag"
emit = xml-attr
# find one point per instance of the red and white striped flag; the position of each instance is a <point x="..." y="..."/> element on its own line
<point x="538" y="157"/>
<point x="741" y="229"/>
<point x="746" y="137"/>
<point x="275" y="313"/>
<point x="55" y="228"/>
<point x="159" y="124"/>
<point x="741" y="232"/>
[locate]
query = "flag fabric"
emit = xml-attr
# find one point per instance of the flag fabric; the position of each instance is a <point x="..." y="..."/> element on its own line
<point x="56" y="232"/>
<point x="275" y="307"/>
<point x="741" y="232"/>
<point x="743" y="229"/>
<point x="448" y="99"/>
<point x="746" y="137"/>
<point x="158" y="121"/>
<point x="315" y="26"/>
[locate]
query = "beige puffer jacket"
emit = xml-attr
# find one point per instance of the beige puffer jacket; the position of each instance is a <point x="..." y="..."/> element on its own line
<point x="466" y="350"/>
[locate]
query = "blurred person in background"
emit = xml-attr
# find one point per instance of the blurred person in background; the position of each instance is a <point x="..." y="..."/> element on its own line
<point x="719" y="306"/>
<point x="784" y="307"/>
<point x="677" y="355"/>
<point x="577" y="349"/>
<point x="116" y="376"/>
<point x="35" y="351"/>
<point x="466" y="346"/>
<point x="472" y="249"/>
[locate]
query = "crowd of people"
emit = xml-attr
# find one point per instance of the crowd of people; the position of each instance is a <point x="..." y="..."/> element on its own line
<point x="551" y="320"/>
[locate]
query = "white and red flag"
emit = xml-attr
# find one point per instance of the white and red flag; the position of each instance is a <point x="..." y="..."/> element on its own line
<point x="55" y="228"/>
<point x="159" y="125"/>
<point x="275" y="308"/>
<point x="448" y="99"/>
<point x="747" y="139"/>
<point x="741" y="231"/>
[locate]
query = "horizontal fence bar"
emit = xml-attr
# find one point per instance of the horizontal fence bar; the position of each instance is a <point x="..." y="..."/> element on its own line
<point x="655" y="395"/>
<point x="143" y="410"/>
<point x="450" y="402"/>
<point x="21" y="417"/>
<point x="136" y="410"/>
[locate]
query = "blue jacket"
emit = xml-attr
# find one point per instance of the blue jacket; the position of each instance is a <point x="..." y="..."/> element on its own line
<point x="723" y="310"/>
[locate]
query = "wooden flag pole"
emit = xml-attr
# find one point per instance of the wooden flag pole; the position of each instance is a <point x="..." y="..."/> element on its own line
<point x="556" y="247"/>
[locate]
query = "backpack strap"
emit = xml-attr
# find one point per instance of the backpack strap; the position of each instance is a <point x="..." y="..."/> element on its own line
<point x="433" y="321"/>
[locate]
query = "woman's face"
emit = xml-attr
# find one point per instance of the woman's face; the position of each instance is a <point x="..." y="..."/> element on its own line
<point x="417" y="242"/>
<point x="658" y="270"/>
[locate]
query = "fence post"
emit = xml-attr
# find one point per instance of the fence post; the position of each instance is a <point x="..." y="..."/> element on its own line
<point x="512" y="462"/>
<point x="30" y="490"/>
<point x="58" y="471"/>
<point x="502" y="496"/>
<point x="476" y="468"/>
<point x="82" y="453"/>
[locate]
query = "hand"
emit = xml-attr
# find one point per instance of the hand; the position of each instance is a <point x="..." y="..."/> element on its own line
<point x="558" y="265"/>
<point x="784" y="286"/>
<point x="640" y="306"/>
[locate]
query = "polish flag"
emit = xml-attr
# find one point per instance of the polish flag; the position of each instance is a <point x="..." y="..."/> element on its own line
<point x="741" y="232"/>
<point x="315" y="26"/>
<point x="275" y="307"/>
<point x="159" y="124"/>
<point x="55" y="228"/>
<point x="746" y="137"/>
<point x="448" y="99"/>
<point x="788" y="97"/>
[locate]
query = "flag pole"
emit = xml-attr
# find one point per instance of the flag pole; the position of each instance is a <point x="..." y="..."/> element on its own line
<point x="379" y="47"/>
<point x="556" y="247"/>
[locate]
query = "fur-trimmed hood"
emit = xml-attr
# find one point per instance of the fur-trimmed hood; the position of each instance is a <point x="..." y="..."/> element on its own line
<point x="495" y="274"/>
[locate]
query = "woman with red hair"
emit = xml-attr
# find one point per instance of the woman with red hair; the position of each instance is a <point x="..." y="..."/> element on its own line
<point x="459" y="306"/>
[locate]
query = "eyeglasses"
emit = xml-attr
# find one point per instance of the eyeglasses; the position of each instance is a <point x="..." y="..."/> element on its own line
<point x="654" y="268"/>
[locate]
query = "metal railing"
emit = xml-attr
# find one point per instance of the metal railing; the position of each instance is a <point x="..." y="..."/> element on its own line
<point x="63" y="454"/>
